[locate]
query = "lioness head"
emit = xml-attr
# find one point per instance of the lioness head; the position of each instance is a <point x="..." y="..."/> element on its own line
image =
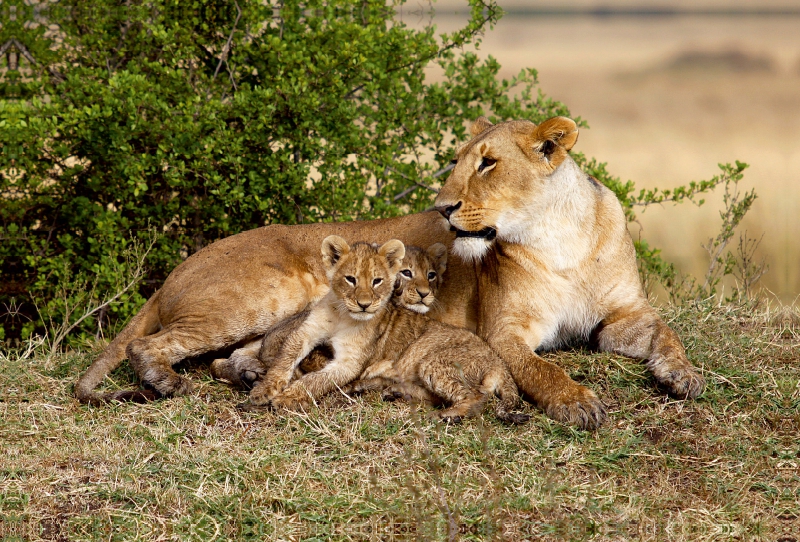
<point x="362" y="276"/>
<point x="501" y="180"/>
<point x="420" y="277"/>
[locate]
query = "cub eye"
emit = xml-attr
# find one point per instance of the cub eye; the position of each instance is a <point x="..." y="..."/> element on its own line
<point x="431" y="275"/>
<point x="486" y="162"/>
<point x="350" y="280"/>
<point x="406" y="273"/>
<point x="375" y="282"/>
<point x="454" y="161"/>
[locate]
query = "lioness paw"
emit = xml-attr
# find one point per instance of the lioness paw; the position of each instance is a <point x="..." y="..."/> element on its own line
<point x="683" y="383"/>
<point x="581" y="407"/>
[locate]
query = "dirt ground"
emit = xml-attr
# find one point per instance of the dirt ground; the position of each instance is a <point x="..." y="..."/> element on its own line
<point x="667" y="99"/>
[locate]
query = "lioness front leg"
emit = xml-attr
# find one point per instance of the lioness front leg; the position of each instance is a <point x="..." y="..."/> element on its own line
<point x="642" y="334"/>
<point x="548" y="385"/>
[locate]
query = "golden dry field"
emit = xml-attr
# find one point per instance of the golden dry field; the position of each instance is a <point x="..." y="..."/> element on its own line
<point x="667" y="99"/>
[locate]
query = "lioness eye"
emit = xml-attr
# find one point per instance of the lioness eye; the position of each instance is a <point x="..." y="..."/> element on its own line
<point x="375" y="282"/>
<point x="486" y="162"/>
<point x="350" y="280"/>
<point x="406" y="273"/>
<point x="431" y="275"/>
<point x="454" y="161"/>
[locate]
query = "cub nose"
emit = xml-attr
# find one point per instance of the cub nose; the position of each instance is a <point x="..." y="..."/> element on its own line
<point x="364" y="304"/>
<point x="423" y="293"/>
<point x="447" y="210"/>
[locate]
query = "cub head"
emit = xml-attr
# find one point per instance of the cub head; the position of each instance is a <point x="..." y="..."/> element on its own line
<point x="420" y="277"/>
<point x="502" y="181"/>
<point x="361" y="276"/>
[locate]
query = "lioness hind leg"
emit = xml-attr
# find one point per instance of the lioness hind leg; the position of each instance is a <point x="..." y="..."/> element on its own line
<point x="152" y="358"/>
<point x="642" y="334"/>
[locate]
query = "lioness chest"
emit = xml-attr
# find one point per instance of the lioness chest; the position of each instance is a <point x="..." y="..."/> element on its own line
<point x="547" y="307"/>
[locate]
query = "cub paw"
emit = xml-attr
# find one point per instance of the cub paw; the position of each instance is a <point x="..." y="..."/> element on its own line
<point x="578" y="406"/>
<point x="261" y="395"/>
<point x="451" y="419"/>
<point x="291" y="401"/>
<point x="392" y="394"/>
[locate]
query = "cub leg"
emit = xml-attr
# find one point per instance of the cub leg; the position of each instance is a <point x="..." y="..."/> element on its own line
<point x="498" y="381"/>
<point x="411" y="393"/>
<point x="311" y="386"/>
<point x="548" y="385"/>
<point x="642" y="334"/>
<point x="242" y="369"/>
<point x="446" y="381"/>
<point x="363" y="385"/>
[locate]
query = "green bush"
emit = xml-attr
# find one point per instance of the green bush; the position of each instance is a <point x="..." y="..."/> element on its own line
<point x="199" y="119"/>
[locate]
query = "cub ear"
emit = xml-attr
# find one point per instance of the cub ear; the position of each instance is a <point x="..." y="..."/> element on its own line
<point x="438" y="255"/>
<point x="333" y="248"/>
<point x="480" y="125"/>
<point x="394" y="251"/>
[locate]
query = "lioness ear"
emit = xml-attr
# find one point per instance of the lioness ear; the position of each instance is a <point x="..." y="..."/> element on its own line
<point x="557" y="133"/>
<point x="480" y="125"/>
<point x="333" y="248"/>
<point x="394" y="251"/>
<point x="438" y="253"/>
<point x="554" y="138"/>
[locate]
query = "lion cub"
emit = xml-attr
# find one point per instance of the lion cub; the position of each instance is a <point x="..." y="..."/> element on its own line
<point x="418" y="358"/>
<point x="350" y="318"/>
<point x="247" y="365"/>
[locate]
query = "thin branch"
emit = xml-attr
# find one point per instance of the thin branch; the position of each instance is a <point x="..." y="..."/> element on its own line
<point x="227" y="48"/>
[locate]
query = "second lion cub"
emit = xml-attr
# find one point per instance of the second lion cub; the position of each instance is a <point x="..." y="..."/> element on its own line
<point x="421" y="359"/>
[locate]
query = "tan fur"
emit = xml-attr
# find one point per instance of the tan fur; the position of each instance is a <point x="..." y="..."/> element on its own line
<point x="349" y="317"/>
<point x="418" y="293"/>
<point x="562" y="265"/>
<point x="420" y="359"/>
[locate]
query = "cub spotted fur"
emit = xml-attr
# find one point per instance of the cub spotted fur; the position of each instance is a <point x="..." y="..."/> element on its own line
<point x="349" y="318"/>
<point x="417" y="358"/>
<point x="248" y="364"/>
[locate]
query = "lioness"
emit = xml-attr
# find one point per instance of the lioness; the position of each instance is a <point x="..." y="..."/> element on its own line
<point x="542" y="255"/>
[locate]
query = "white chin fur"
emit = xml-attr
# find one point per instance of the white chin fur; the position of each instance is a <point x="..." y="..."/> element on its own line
<point x="361" y="316"/>
<point x="471" y="248"/>
<point x="418" y="307"/>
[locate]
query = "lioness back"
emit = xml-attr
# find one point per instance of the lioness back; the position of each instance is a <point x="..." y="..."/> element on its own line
<point x="418" y="358"/>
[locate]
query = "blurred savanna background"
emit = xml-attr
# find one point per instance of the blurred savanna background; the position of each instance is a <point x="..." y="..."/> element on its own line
<point x="670" y="90"/>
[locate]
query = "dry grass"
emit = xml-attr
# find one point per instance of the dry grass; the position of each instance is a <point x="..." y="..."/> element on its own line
<point x="723" y="467"/>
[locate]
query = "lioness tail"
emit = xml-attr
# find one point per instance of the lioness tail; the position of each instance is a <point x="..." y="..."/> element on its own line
<point x="144" y="323"/>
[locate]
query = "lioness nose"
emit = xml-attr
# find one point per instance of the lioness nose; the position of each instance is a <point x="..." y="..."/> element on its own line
<point x="447" y="210"/>
<point x="423" y="293"/>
